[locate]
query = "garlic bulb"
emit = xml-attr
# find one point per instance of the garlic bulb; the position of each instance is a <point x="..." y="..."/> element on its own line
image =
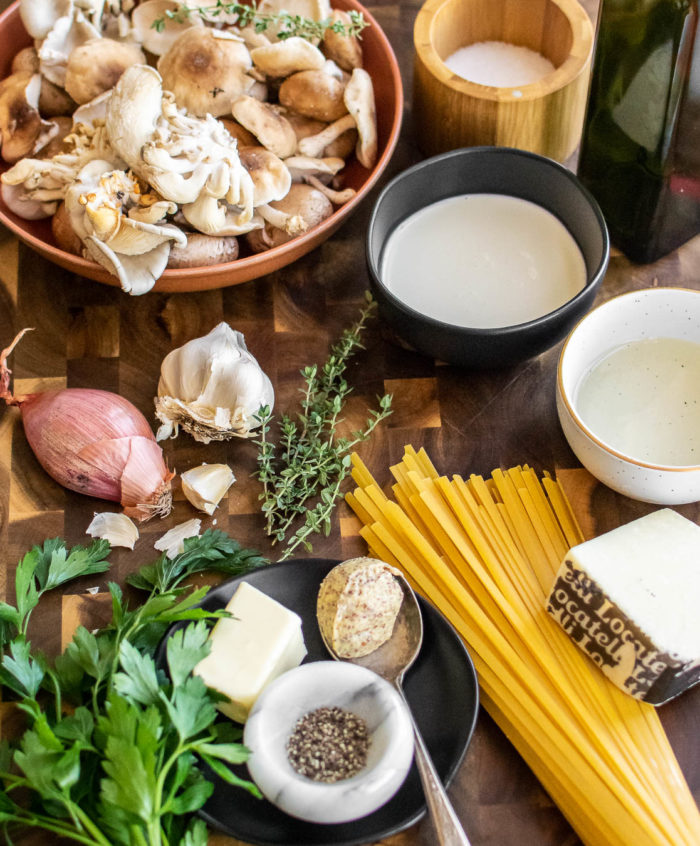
<point x="205" y="486"/>
<point x="212" y="387"/>
<point x="118" y="529"/>
<point x="173" y="541"/>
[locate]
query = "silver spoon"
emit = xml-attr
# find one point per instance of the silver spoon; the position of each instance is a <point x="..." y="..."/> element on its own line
<point x="391" y="661"/>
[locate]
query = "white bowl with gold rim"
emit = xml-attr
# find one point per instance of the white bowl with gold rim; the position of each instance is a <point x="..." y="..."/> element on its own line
<point x="627" y="399"/>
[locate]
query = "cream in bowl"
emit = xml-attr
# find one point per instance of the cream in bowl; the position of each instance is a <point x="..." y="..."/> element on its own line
<point x="485" y="256"/>
<point x="628" y="394"/>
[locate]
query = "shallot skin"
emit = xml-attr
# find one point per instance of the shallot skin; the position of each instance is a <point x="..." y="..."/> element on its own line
<point x="96" y="443"/>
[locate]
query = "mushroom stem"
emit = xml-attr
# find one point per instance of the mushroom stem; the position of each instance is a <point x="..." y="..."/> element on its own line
<point x="314" y="145"/>
<point x="336" y="197"/>
<point x="292" y="224"/>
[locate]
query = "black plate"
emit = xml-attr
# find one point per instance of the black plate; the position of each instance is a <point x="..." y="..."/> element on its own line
<point x="441" y="688"/>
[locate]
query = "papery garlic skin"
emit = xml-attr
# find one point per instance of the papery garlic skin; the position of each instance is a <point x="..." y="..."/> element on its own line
<point x="205" y="486"/>
<point x="118" y="529"/>
<point x="212" y="387"/>
<point x="173" y="541"/>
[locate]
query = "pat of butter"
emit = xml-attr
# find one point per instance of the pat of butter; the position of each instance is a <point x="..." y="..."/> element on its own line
<point x="261" y="641"/>
<point x="629" y="599"/>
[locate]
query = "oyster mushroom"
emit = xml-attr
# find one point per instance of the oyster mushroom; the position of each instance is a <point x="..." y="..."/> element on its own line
<point x="206" y="69"/>
<point x="344" y="50"/>
<point x="159" y="41"/>
<point x="23" y="131"/>
<point x="271" y="180"/>
<point x="95" y="66"/>
<point x="301" y="201"/>
<point x="341" y="147"/>
<point x="67" y="33"/>
<point x="271" y="128"/>
<point x="315" y="94"/>
<point x="203" y="250"/>
<point x="39" y="16"/>
<point x="100" y="205"/>
<point x="283" y="58"/>
<point x="359" y="100"/>
<point x="46" y="181"/>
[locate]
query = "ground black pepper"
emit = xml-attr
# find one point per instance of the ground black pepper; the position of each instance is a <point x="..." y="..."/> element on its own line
<point x="328" y="744"/>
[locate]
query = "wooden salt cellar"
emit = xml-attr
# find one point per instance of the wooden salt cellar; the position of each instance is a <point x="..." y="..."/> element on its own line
<point x="544" y="117"/>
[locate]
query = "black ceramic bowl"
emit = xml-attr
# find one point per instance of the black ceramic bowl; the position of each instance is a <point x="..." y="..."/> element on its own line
<point x="488" y="170"/>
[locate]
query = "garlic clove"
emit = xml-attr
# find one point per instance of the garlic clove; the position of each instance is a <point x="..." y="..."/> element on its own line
<point x="173" y="541"/>
<point x="206" y="485"/>
<point x="118" y="529"/>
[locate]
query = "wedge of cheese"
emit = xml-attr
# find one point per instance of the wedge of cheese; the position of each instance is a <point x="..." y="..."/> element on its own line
<point x="631" y="600"/>
<point x="262" y="640"/>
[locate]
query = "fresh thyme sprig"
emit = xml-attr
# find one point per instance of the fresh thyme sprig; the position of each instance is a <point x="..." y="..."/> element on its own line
<point x="286" y="24"/>
<point x="302" y="474"/>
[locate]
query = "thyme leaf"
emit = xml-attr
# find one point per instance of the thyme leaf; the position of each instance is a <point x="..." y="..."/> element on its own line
<point x="287" y="25"/>
<point x="303" y="471"/>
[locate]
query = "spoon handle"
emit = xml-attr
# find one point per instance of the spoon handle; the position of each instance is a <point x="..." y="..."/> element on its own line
<point x="448" y="828"/>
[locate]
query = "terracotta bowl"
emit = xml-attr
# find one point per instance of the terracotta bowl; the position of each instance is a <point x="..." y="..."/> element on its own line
<point x="379" y="61"/>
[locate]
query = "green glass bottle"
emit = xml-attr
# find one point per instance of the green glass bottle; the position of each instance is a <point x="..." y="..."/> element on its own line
<point x="640" y="150"/>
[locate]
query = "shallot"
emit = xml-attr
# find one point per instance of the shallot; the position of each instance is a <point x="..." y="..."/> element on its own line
<point x="94" y="442"/>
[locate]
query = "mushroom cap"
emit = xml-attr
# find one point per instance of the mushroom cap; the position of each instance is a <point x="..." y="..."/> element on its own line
<point x="203" y="250"/>
<point x="270" y="175"/>
<point x="154" y="40"/>
<point x="63" y="232"/>
<point x="344" y="50"/>
<point x="242" y="136"/>
<point x="283" y="58"/>
<point x="132" y="111"/>
<point x="266" y="123"/>
<point x="302" y="200"/>
<point x="26" y="60"/>
<point x="97" y="65"/>
<point x="22" y="130"/>
<point x="206" y="69"/>
<point x="359" y="99"/>
<point x="314" y="94"/>
<point x="54" y="101"/>
<point x="39" y="16"/>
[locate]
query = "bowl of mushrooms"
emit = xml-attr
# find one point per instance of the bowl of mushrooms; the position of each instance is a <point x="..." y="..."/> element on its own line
<point x="179" y="149"/>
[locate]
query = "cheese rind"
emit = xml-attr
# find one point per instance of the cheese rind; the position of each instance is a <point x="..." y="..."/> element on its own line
<point x="629" y="599"/>
<point x="262" y="640"/>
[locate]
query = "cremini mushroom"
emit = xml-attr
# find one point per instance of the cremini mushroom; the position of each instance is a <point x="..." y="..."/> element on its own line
<point x="341" y="147"/>
<point x="315" y="94"/>
<point x="301" y="201"/>
<point x="344" y="50"/>
<point x="95" y="66"/>
<point x="265" y="122"/>
<point x="359" y="101"/>
<point x="283" y="58"/>
<point x="23" y="131"/>
<point x="58" y="143"/>
<point x="203" y="250"/>
<point x="159" y="40"/>
<point x="63" y="231"/>
<point x="53" y="101"/>
<point x="26" y="60"/>
<point x="206" y="69"/>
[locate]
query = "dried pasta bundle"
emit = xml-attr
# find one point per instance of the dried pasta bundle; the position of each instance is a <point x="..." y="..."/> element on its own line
<point x="486" y="552"/>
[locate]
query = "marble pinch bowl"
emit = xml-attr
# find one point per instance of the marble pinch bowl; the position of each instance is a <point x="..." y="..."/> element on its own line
<point x="307" y="688"/>
<point x="649" y="313"/>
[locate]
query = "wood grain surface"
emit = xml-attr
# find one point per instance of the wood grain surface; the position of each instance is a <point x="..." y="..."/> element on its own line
<point x="89" y="335"/>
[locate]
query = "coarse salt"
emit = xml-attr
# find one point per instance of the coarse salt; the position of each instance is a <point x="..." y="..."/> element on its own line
<point x="499" y="64"/>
